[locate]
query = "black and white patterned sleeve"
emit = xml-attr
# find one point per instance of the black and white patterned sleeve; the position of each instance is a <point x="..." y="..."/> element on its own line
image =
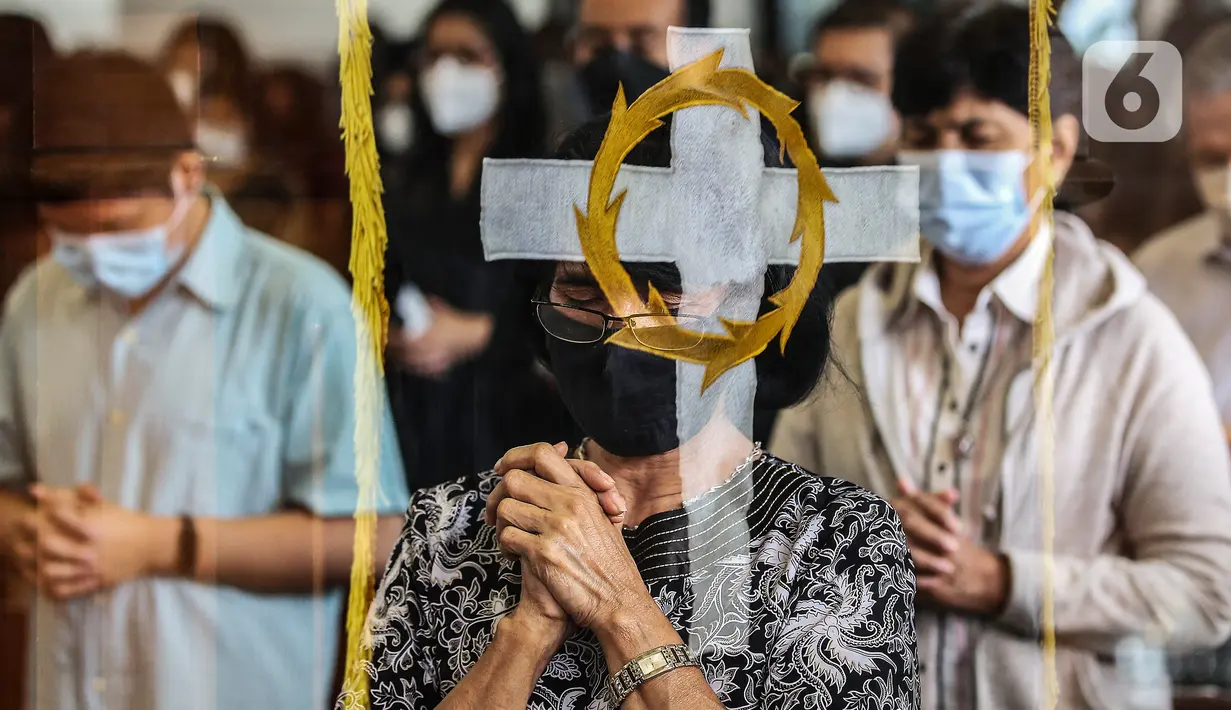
<point x="402" y="672"/>
<point x="847" y="639"/>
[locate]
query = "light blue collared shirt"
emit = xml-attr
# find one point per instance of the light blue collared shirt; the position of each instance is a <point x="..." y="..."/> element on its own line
<point x="231" y="395"/>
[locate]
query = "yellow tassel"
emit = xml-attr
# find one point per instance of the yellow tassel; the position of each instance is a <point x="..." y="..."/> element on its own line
<point x="1041" y="15"/>
<point x="367" y="265"/>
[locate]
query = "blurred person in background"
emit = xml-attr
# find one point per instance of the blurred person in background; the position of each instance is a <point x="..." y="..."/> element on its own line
<point x="176" y="422"/>
<point x="24" y="50"/>
<point x="289" y="123"/>
<point x="1153" y="186"/>
<point x="937" y="414"/>
<point x="205" y="50"/>
<point x="566" y="101"/>
<point x="394" y="114"/>
<point x="850" y="116"/>
<point x="464" y="387"/>
<point x="395" y="120"/>
<point x="210" y="70"/>
<point x="849" y="83"/>
<point x="293" y="145"/>
<point x="1189" y="267"/>
<point x="624" y="42"/>
<point x="847" y="108"/>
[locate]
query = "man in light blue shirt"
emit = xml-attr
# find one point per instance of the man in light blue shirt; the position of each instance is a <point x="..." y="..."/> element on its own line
<point x="176" y="424"/>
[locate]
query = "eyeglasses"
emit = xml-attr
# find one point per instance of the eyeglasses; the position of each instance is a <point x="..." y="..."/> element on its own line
<point x="583" y="326"/>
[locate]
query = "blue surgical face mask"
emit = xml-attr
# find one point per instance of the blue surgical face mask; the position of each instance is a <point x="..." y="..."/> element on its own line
<point x="129" y="263"/>
<point x="972" y="204"/>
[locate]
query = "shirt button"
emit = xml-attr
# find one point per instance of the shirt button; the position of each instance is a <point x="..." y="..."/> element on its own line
<point x="100" y="684"/>
<point x="130" y="336"/>
<point x="116" y="417"/>
<point x="989" y="513"/>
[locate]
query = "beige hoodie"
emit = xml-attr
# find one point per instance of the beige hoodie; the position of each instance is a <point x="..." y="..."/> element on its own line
<point x="1142" y="477"/>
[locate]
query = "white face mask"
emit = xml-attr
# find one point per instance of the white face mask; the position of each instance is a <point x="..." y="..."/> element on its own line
<point x="227" y="145"/>
<point x="849" y="120"/>
<point x="129" y="263"/>
<point x="184" y="85"/>
<point x="973" y="205"/>
<point x="459" y="98"/>
<point x="396" y="127"/>
<point x="1214" y="184"/>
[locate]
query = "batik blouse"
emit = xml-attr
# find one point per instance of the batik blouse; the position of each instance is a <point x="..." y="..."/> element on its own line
<point x="795" y="590"/>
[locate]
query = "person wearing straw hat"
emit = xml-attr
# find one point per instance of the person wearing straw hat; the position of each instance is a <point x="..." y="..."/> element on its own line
<point x="938" y="414"/>
<point x="176" y="422"/>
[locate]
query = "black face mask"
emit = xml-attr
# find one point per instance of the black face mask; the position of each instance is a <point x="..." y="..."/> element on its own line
<point x="621" y="398"/>
<point x="611" y="68"/>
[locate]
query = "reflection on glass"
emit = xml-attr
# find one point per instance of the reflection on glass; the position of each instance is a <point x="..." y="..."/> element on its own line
<point x="574" y="324"/>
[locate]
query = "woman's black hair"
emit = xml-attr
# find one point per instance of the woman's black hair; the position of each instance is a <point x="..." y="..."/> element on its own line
<point x="782" y="380"/>
<point x="523" y="112"/>
<point x="988" y="53"/>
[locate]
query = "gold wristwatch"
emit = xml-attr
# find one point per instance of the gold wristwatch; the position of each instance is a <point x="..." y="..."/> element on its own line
<point x="646" y="666"/>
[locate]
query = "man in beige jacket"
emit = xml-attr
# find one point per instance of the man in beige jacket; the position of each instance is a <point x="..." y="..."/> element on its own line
<point x="931" y="406"/>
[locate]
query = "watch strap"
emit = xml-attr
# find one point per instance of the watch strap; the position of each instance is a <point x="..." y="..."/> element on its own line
<point x="186" y="548"/>
<point x="650" y="664"/>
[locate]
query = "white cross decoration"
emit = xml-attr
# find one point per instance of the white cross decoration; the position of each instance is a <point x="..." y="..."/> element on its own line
<point x="718" y="213"/>
<point x="718" y="190"/>
<point x="721" y="216"/>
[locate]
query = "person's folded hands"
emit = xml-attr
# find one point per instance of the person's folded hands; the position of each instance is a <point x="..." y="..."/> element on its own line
<point x="552" y="520"/>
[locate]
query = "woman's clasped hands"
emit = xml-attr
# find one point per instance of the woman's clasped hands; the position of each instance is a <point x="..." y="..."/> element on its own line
<point x="563" y="519"/>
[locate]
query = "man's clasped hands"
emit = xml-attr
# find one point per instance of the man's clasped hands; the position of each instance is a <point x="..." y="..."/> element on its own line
<point x="953" y="571"/>
<point x="73" y="543"/>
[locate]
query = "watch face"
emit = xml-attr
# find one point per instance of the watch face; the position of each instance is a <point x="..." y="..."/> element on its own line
<point x="652" y="663"/>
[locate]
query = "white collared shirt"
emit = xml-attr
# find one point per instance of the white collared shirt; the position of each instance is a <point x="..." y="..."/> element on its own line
<point x="951" y="383"/>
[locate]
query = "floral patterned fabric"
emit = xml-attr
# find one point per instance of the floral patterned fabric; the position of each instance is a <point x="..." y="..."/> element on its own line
<point x="796" y="591"/>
